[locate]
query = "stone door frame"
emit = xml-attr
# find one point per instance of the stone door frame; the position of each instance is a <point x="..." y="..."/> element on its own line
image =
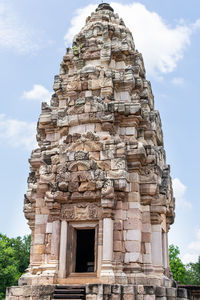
<point x="70" y="248"/>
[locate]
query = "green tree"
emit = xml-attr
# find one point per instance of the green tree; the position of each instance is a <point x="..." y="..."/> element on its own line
<point x="14" y="259"/>
<point x="193" y="273"/>
<point x="178" y="269"/>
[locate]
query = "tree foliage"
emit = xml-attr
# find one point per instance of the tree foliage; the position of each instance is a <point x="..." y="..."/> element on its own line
<point x="193" y="273"/>
<point x="177" y="267"/>
<point x="14" y="259"/>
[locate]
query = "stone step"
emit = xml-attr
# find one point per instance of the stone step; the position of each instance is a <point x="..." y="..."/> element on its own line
<point x="69" y="291"/>
<point x="69" y="296"/>
<point x="70" y="287"/>
<point x="65" y="292"/>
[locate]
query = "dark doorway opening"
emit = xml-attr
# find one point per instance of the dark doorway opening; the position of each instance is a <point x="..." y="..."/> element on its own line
<point x="85" y="250"/>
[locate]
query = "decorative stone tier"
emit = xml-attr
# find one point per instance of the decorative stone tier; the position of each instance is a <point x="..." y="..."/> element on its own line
<point x="102" y="292"/>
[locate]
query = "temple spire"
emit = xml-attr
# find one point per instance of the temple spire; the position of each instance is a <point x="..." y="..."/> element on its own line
<point x="104" y="6"/>
<point x="99" y="199"/>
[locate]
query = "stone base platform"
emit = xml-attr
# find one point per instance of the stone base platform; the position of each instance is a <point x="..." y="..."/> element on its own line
<point x="101" y="292"/>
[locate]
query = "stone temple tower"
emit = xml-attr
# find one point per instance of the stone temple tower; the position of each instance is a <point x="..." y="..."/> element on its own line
<point x="99" y="202"/>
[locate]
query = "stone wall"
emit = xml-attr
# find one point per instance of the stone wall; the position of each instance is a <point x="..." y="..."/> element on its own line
<point x="42" y="292"/>
<point x="102" y="292"/>
<point x="134" y="292"/>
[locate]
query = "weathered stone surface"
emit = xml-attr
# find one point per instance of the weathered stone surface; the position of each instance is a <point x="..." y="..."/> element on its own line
<point x="101" y="165"/>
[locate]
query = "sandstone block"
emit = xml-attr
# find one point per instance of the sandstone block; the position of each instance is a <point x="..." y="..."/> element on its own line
<point x="94" y="155"/>
<point x="132" y="257"/>
<point x="146" y="217"/>
<point x="116" y="289"/>
<point x="134" y="224"/>
<point x="120" y="214"/>
<point x="115" y="297"/>
<point x="160" y="291"/>
<point x="91" y="297"/>
<point x="149" y="297"/>
<point x="128" y="297"/>
<point x="146" y="227"/>
<point x="16" y="291"/>
<point x="41" y="219"/>
<point x="146" y="237"/>
<point x="134" y="205"/>
<point x="118" y="235"/>
<point x="133" y="235"/>
<point x="128" y="289"/>
<point x="134" y="177"/>
<point x="135" y="187"/>
<point x="133" y="197"/>
<point x="104" y="165"/>
<point x="107" y="289"/>
<point x="73" y="186"/>
<point x="147" y="258"/>
<point x="118" y="246"/>
<point x="118" y="164"/>
<point x="38" y="249"/>
<point x="92" y="146"/>
<point x="134" y="213"/>
<point x="131" y="131"/>
<point x="116" y="174"/>
<point x="92" y="289"/>
<point x="39" y="239"/>
<point x="132" y="246"/>
<point x="171" y="292"/>
<point x="149" y="290"/>
<point x="87" y="186"/>
<point x="182" y="293"/>
<point x="140" y="289"/>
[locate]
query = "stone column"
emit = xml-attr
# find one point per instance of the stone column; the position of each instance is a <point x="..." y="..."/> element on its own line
<point x="63" y="250"/>
<point x="167" y="268"/>
<point x="107" y="274"/>
<point x="55" y="240"/>
<point x="156" y="246"/>
<point x="147" y="239"/>
<point x="165" y="250"/>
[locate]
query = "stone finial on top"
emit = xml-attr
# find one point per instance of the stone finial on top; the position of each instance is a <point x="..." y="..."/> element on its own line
<point x="103" y="6"/>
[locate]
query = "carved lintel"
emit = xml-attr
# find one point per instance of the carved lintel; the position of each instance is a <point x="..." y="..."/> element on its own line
<point x="84" y="211"/>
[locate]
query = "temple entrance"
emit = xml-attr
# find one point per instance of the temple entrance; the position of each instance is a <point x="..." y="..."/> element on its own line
<point x="85" y="248"/>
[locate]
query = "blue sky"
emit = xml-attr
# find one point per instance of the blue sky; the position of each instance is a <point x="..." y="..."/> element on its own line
<point x="33" y="36"/>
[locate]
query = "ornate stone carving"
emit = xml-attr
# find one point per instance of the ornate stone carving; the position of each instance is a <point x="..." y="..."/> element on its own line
<point x="81" y="212"/>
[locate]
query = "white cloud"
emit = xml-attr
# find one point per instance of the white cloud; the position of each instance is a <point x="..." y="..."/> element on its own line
<point x="193" y="250"/>
<point x="161" y="44"/>
<point x="17" y="133"/>
<point x="38" y="92"/>
<point x="78" y="21"/>
<point x="178" y="81"/>
<point x="195" y="245"/>
<point x="14" y="34"/>
<point x="179" y="192"/>
<point x="190" y="258"/>
<point x="198" y="234"/>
